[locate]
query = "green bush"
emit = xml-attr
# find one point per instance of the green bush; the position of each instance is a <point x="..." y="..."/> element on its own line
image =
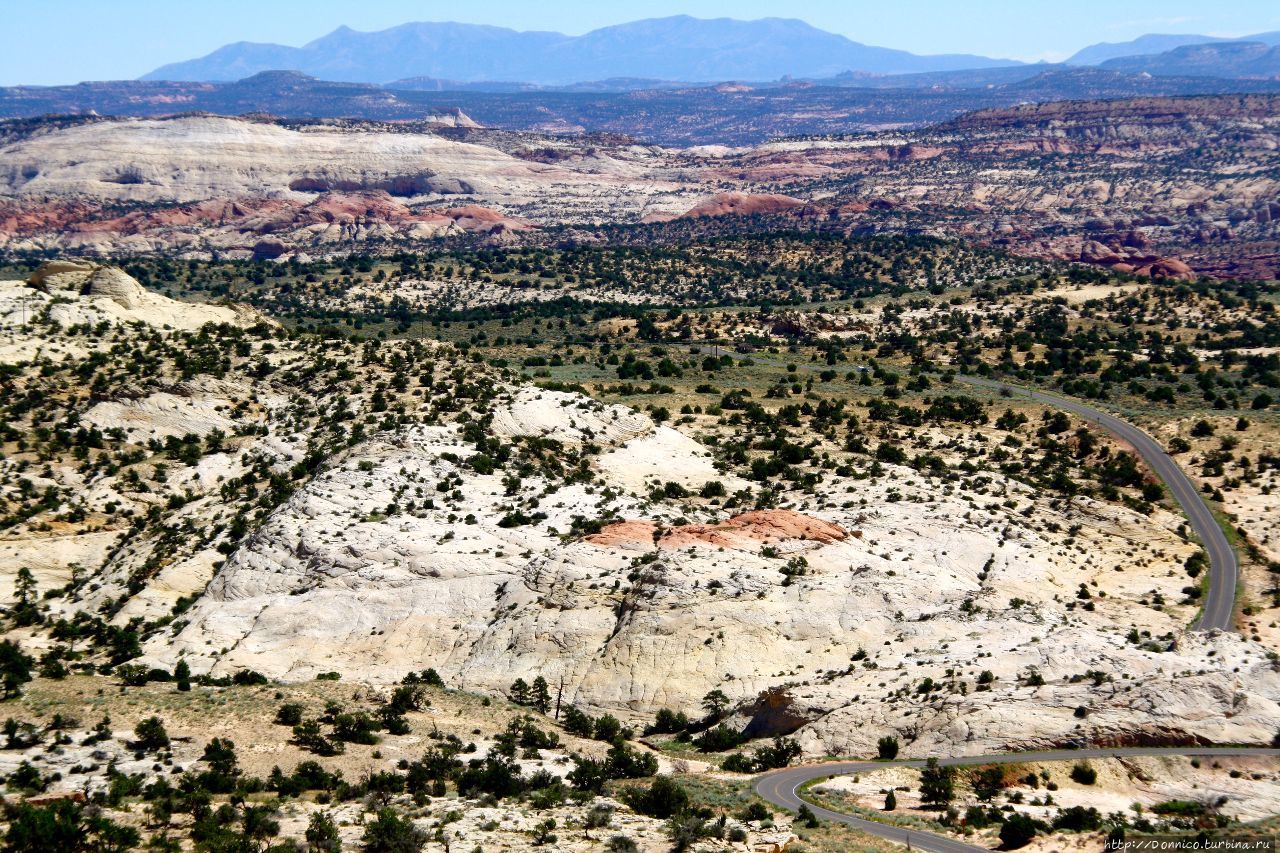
<point x="288" y="714"/>
<point x="151" y="735"/>
<point x="662" y="799"/>
<point x="1078" y="819"/>
<point x="1017" y="831"/>
<point x="390" y="833"/>
<point x="718" y="739"/>
<point x="1083" y="774"/>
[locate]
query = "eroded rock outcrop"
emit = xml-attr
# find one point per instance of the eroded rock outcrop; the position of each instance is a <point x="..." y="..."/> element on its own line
<point x="75" y="292"/>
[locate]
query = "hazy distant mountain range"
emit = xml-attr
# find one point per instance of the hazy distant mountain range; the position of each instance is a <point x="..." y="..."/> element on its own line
<point x="649" y="53"/>
<point x="676" y="80"/>
<point x="675" y="48"/>
<point x="1096" y="54"/>
<point x="1223" y="59"/>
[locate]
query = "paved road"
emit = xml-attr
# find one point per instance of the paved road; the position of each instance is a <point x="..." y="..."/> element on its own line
<point x="780" y="787"/>
<point x="1219" y="603"/>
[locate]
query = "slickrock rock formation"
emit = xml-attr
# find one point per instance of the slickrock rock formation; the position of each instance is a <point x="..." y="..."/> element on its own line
<point x="840" y="608"/>
<point x="74" y="292"/>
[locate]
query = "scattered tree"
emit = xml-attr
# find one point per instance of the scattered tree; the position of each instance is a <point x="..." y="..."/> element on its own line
<point x="937" y="784"/>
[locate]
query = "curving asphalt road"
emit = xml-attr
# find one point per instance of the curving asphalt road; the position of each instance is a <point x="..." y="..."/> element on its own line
<point x="780" y="787"/>
<point x="1219" y="603"/>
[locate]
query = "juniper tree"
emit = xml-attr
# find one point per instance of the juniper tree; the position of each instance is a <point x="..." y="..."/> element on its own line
<point x="937" y="784"/>
<point x="15" y="668"/>
<point x="540" y="695"/>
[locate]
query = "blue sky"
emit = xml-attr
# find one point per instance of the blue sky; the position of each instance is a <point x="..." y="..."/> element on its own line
<point x="66" y="41"/>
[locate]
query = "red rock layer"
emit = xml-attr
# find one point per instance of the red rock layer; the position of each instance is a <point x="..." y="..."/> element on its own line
<point x="748" y="530"/>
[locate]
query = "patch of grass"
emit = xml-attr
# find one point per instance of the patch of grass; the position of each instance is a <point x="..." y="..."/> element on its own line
<point x="838" y="838"/>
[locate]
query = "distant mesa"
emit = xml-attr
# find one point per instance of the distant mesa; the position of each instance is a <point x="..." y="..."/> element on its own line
<point x="680" y="50"/>
<point x="1227" y="59"/>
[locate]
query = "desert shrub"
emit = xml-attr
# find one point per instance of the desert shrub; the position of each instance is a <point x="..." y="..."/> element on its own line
<point x="391" y="833"/>
<point x="575" y="722"/>
<point x="685" y="831"/>
<point x="248" y="678"/>
<point x="493" y="775"/>
<point x="718" y="739"/>
<point x="1078" y="819"/>
<point x="224" y="769"/>
<point x="406" y="698"/>
<point x="288" y="714"/>
<point x="937" y="784"/>
<point x="355" y="728"/>
<point x="598" y="817"/>
<point x="987" y="783"/>
<point x="623" y="762"/>
<point x="1181" y="808"/>
<point x="151" y="735"/>
<point x="588" y="775"/>
<point x="1017" y="831"/>
<point x="15" y="668"/>
<point x="428" y="676"/>
<point x="26" y="778"/>
<point x="668" y="722"/>
<point x="662" y="799"/>
<point x="309" y="736"/>
<point x="64" y="826"/>
<point x="1083" y="774"/>
<point x="621" y="844"/>
<point x="607" y="728"/>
